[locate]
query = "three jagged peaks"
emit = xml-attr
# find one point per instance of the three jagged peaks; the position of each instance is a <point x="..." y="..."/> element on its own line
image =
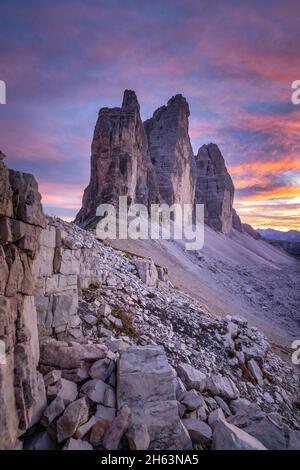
<point x="153" y="162"/>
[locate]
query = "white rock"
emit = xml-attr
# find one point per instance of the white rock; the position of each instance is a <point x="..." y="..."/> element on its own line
<point x="217" y="384"/>
<point x="256" y="371"/>
<point x="191" y="377"/>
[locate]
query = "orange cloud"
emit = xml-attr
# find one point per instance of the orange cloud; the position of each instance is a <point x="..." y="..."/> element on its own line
<point x="283" y="192"/>
<point x="267" y="166"/>
<point x="278" y="216"/>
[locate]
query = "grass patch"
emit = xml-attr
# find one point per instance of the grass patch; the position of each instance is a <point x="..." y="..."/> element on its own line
<point x="230" y="353"/>
<point x="151" y="295"/>
<point x="247" y="374"/>
<point x="128" y="326"/>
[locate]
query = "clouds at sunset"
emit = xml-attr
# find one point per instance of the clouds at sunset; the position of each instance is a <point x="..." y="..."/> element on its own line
<point x="233" y="61"/>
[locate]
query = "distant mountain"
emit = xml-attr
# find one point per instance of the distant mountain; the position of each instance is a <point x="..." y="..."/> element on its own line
<point x="272" y="234"/>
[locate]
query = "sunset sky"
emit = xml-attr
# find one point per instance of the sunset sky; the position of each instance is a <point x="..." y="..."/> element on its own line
<point x="234" y="61"/>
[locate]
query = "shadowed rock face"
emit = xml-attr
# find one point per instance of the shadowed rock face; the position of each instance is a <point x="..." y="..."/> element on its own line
<point x="22" y="391"/>
<point x="120" y="160"/>
<point x="214" y="188"/>
<point x="236" y="221"/>
<point x="171" y="151"/>
<point x="247" y="228"/>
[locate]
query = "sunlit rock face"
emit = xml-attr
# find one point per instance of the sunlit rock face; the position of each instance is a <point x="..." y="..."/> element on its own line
<point x="214" y="188"/>
<point x="120" y="160"/>
<point x="171" y="151"/>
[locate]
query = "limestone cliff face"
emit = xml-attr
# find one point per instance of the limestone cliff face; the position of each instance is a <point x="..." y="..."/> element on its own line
<point x="120" y="160"/>
<point x="22" y="391"/>
<point x="236" y="221"/>
<point x="171" y="151"/>
<point x="214" y="188"/>
<point x="154" y="163"/>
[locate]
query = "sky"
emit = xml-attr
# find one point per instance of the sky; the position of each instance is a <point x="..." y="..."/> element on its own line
<point x="234" y="61"/>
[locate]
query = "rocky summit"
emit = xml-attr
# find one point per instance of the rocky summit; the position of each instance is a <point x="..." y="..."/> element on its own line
<point x="120" y="160"/>
<point x="171" y="151"/>
<point x="214" y="188"/>
<point x="153" y="162"/>
<point x="137" y="347"/>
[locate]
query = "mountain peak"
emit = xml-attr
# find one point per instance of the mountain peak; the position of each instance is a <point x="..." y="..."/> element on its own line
<point x="130" y="99"/>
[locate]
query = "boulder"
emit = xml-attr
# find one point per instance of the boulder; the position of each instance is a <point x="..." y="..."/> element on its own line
<point x="138" y="437"/>
<point x="74" y="416"/>
<point x="64" y="389"/>
<point x="102" y="369"/>
<point x="215" y="416"/>
<point x="117" y="429"/>
<point x="52" y="377"/>
<point x="240" y="404"/>
<point x="98" y="391"/>
<point x="145" y="382"/>
<point x="217" y="384"/>
<point x="105" y="413"/>
<point x="191" y="377"/>
<point x="99" y="429"/>
<point x="199" y="432"/>
<point x="85" y="428"/>
<point x="223" y="405"/>
<point x="256" y="423"/>
<point x="229" y="437"/>
<point x="69" y="355"/>
<point x="191" y="400"/>
<point x="147" y="271"/>
<point x="77" y="375"/>
<point x="53" y="411"/>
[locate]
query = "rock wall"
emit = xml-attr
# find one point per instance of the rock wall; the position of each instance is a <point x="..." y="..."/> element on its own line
<point x="120" y="160"/>
<point x="214" y="188"/>
<point x="171" y="151"/>
<point x="22" y="391"/>
<point x="67" y="262"/>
